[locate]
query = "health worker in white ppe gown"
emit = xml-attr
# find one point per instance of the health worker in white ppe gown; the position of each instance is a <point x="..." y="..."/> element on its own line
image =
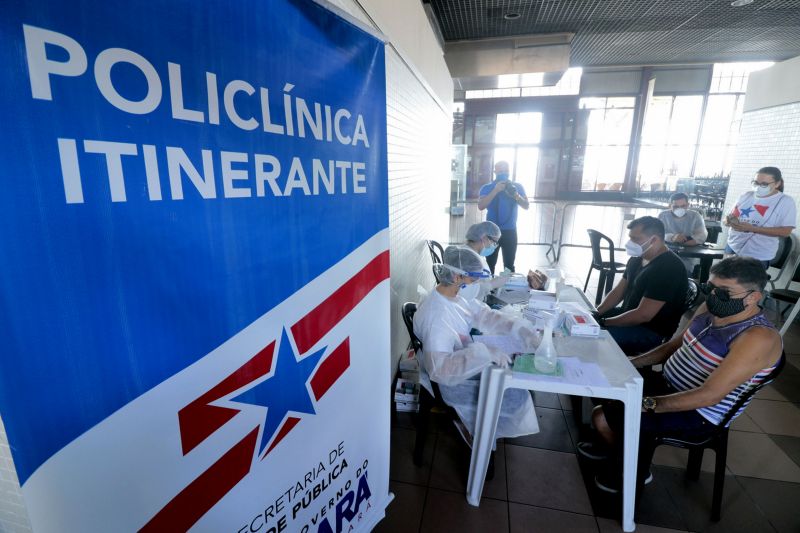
<point x="454" y="360"/>
<point x="483" y="238"/>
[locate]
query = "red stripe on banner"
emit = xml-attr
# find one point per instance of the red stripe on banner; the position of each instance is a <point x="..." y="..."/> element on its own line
<point x="287" y="426"/>
<point x="203" y="493"/>
<point x="198" y="420"/>
<point x="331" y="368"/>
<point x="311" y="328"/>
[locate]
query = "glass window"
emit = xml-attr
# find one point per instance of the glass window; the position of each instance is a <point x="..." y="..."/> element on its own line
<point x="569" y="83"/>
<point x="732" y="77"/>
<point x="609" y="130"/>
<point x="685" y="120"/>
<point x="484" y="129"/>
<point x="519" y="128"/>
<point x="669" y="140"/>
<point x="656" y="120"/>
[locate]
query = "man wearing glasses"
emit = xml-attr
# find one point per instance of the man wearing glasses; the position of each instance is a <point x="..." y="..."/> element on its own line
<point x="728" y="348"/>
<point x="761" y="217"/>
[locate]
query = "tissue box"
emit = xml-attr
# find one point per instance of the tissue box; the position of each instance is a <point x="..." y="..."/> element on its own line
<point x="581" y="324"/>
<point x="543" y="300"/>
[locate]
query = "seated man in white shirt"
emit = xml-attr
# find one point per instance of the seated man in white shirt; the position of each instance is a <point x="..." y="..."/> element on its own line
<point x="445" y="321"/>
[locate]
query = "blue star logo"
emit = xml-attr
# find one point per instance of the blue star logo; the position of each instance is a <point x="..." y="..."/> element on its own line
<point x="746" y="212"/>
<point x="285" y="391"/>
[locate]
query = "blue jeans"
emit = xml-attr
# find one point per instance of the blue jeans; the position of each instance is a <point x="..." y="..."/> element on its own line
<point x="634" y="340"/>
<point x="729" y="250"/>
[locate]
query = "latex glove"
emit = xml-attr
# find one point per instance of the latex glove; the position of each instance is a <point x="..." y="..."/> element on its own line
<point x="498" y="357"/>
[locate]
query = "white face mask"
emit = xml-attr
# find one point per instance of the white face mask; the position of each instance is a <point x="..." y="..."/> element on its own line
<point x="679" y="212"/>
<point x="635" y="249"/>
<point x="470" y="292"/>
<point x="762" y="190"/>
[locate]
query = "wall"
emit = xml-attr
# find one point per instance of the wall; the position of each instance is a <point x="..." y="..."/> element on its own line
<point x="770" y="131"/>
<point x="419" y="94"/>
<point x="419" y="101"/>
<point x="777" y="85"/>
<point x="13" y="516"/>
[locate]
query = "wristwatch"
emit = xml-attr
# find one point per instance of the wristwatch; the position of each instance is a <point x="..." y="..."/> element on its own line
<point x="649" y="404"/>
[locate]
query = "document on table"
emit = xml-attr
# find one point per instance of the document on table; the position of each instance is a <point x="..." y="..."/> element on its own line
<point x="505" y="343"/>
<point x="514" y="296"/>
<point x="583" y="373"/>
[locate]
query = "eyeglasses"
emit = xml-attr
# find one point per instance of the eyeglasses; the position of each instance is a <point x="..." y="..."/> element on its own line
<point x="759" y="184"/>
<point x="493" y="240"/>
<point x="722" y="293"/>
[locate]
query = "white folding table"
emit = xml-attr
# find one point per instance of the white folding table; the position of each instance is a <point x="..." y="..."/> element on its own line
<point x="624" y="384"/>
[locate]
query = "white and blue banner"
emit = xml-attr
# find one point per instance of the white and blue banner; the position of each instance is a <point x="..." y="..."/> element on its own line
<point x="194" y="265"/>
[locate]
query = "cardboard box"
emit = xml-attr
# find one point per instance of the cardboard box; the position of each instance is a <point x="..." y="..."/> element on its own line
<point x="543" y="300"/>
<point x="581" y="324"/>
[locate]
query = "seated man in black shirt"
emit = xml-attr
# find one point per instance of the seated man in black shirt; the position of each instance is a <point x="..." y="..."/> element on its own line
<point x="652" y="291"/>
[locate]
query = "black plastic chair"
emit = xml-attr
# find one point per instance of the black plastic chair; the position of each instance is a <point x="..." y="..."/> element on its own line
<point x="436" y="250"/>
<point x="608" y="269"/>
<point x="787" y="296"/>
<point x="692" y="294"/>
<point x="781" y="258"/>
<point x="713" y="233"/>
<point x="717" y="441"/>
<point x="426" y="401"/>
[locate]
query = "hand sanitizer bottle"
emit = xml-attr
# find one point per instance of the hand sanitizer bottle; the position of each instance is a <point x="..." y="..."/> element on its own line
<point x="546" y="358"/>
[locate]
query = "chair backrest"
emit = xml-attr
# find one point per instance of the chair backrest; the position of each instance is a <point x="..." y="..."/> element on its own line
<point x="409" y="308"/>
<point x="745" y="398"/>
<point x="784" y="249"/>
<point x="713" y="233"/>
<point x="435" y="273"/>
<point x="789" y="270"/>
<point x="436" y="250"/>
<point x="692" y="294"/>
<point x="597" y="253"/>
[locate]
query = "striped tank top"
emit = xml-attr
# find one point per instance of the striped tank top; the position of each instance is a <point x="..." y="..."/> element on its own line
<point x="703" y="349"/>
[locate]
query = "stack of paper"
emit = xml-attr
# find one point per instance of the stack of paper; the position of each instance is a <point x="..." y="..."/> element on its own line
<point x="406" y="395"/>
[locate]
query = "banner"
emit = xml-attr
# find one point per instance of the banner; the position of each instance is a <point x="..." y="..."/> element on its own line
<point x="194" y="289"/>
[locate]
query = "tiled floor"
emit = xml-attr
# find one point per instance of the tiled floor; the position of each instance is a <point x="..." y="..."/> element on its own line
<point x="541" y="485"/>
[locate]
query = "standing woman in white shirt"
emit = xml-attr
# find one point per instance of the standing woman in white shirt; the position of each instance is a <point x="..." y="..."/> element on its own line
<point x="761" y="218"/>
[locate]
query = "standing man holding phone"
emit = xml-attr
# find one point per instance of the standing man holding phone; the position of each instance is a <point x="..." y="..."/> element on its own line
<point x="502" y="197"/>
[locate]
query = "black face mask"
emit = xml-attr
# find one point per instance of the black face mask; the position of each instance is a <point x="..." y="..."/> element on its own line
<point x="724" y="306"/>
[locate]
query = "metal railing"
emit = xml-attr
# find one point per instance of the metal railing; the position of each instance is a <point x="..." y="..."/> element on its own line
<point x="610" y="218"/>
<point x="536" y="226"/>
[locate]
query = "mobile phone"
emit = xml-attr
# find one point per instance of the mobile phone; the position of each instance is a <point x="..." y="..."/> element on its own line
<point x="732" y="219"/>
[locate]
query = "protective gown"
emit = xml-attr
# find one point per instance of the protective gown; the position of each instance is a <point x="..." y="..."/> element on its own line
<point x="453" y="360"/>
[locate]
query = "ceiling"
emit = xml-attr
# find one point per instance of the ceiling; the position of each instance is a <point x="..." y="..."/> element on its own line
<point x="636" y="32"/>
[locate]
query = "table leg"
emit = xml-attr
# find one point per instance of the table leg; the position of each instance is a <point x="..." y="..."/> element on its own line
<point x="490" y="397"/>
<point x="633" y="413"/>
